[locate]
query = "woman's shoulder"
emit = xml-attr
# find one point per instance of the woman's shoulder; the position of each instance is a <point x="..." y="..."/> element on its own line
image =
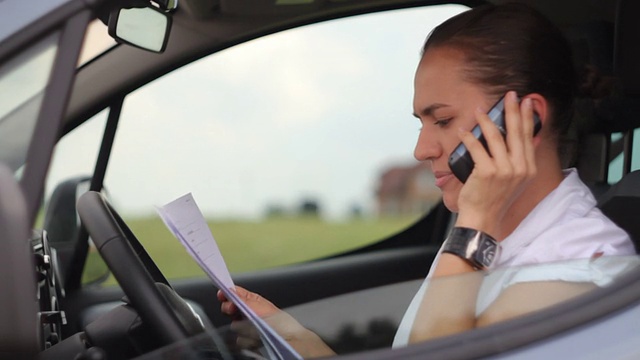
<point x="578" y="238"/>
<point x="570" y="226"/>
<point x="573" y="237"/>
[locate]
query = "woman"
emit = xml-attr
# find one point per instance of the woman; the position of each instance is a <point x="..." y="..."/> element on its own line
<point x="518" y="200"/>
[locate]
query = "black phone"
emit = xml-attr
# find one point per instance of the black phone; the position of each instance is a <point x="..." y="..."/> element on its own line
<point x="460" y="160"/>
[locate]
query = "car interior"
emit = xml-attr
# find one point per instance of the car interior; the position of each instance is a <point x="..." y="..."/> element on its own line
<point x="147" y="311"/>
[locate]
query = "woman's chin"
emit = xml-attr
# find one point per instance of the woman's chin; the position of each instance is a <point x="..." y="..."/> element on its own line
<point x="451" y="202"/>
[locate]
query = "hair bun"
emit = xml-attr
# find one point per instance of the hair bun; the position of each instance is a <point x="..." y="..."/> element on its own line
<point x="595" y="85"/>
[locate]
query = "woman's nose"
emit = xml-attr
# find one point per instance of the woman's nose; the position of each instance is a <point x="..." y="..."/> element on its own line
<point x="427" y="148"/>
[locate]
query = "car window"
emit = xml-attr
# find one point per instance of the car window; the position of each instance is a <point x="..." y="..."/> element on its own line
<point x="296" y="146"/>
<point x="86" y="137"/>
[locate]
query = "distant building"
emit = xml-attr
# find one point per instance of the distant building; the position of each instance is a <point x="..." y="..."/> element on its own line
<point x="406" y="190"/>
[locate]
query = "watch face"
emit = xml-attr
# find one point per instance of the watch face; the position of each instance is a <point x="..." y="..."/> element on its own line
<point x="486" y="252"/>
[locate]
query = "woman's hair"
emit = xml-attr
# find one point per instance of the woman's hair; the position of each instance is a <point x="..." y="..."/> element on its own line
<point x="513" y="47"/>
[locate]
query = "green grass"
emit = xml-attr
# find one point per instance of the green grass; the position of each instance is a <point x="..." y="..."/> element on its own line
<point x="249" y="246"/>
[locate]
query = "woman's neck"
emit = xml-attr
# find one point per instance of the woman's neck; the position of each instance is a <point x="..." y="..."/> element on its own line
<point x="547" y="179"/>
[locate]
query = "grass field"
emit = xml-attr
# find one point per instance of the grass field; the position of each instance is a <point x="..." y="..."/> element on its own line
<point x="248" y="246"/>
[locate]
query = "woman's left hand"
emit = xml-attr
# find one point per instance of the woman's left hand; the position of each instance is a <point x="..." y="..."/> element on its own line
<point x="500" y="175"/>
<point x="304" y="341"/>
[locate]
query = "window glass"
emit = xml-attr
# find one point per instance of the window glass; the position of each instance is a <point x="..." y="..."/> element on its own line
<point x="295" y="146"/>
<point x="76" y="153"/>
<point x="285" y="142"/>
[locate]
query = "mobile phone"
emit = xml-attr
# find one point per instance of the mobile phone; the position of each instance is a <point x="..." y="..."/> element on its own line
<point x="460" y="160"/>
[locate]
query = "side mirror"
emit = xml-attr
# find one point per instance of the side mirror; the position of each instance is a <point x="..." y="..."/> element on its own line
<point x="143" y="27"/>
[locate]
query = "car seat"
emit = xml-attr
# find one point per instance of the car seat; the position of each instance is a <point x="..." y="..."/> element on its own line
<point x="621" y="203"/>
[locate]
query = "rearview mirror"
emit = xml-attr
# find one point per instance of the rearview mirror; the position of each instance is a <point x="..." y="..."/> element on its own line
<point x="143" y="27"/>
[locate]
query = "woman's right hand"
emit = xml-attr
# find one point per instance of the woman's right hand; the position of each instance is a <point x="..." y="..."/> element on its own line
<point x="501" y="174"/>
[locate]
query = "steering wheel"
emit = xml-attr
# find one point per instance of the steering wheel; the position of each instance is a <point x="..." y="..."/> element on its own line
<point x="166" y="313"/>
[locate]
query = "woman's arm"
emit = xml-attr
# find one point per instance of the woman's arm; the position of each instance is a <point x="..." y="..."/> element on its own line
<point x="524" y="298"/>
<point x="449" y="303"/>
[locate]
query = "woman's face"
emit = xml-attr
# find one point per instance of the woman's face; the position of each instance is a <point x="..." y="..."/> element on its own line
<point x="444" y="102"/>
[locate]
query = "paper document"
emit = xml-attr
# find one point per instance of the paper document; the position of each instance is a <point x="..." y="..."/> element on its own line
<point x="185" y="220"/>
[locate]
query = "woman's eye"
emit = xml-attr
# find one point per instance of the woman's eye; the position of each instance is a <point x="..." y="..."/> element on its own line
<point x="442" y="122"/>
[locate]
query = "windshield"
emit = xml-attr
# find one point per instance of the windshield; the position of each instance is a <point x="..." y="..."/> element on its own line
<point x="22" y="81"/>
<point x="420" y="311"/>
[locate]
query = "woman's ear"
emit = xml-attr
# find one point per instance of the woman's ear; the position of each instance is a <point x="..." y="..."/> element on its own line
<point x="540" y="107"/>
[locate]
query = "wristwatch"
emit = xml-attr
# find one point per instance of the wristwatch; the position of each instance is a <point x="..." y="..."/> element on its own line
<point x="479" y="249"/>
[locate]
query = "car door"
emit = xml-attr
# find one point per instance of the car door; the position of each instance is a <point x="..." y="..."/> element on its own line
<point x="402" y="252"/>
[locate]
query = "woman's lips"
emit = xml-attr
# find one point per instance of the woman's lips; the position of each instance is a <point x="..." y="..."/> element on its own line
<point x="442" y="179"/>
